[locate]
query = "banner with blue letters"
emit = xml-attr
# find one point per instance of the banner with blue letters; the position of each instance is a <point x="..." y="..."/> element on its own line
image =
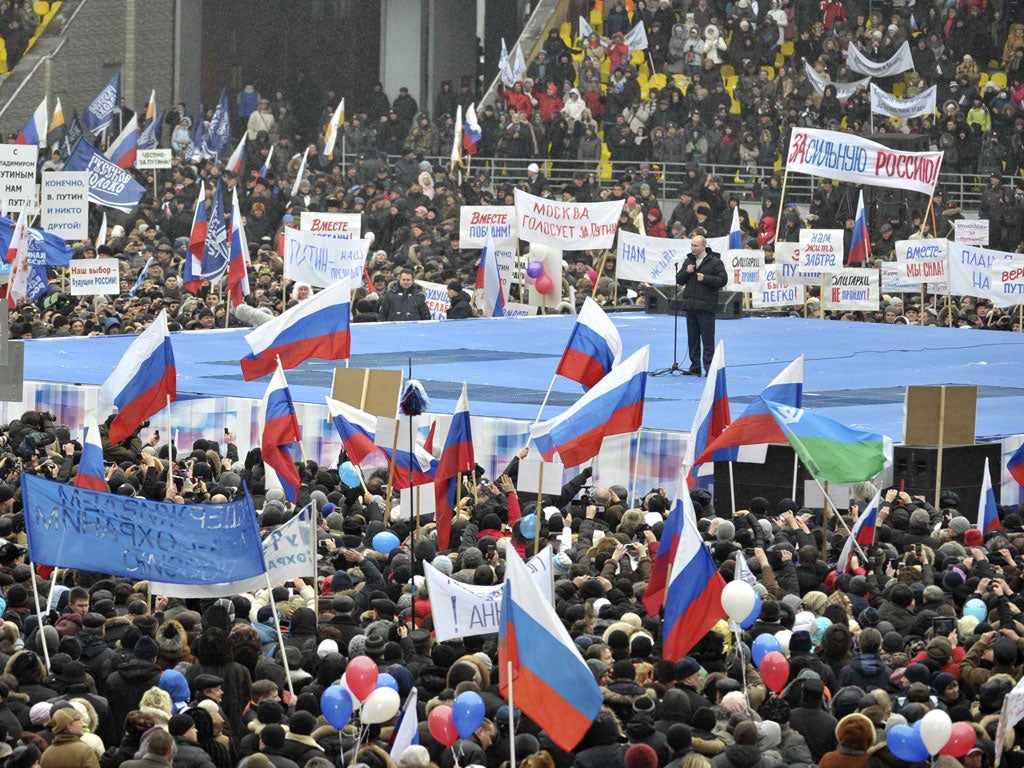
<point x="655" y="260"/>
<point x="109" y="185"/>
<point x="100" y="111"/>
<point x="323" y="260"/>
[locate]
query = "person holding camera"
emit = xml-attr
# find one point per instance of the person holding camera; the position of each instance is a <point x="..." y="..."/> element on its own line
<point x="702" y="276"/>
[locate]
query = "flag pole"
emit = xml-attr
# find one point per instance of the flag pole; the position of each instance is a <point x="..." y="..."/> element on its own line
<point x="391" y="476"/>
<point x="280" y="637"/>
<point x="796" y="469"/>
<point x="313" y="518"/>
<point x="537" y="512"/>
<point x="942" y="431"/>
<point x="546" y="396"/>
<point x="170" y="450"/>
<point x="39" y="615"/>
<point x="739" y="653"/>
<point x="732" y="489"/>
<point x="636" y="464"/>
<point x="511" y="718"/>
<point x="840" y="518"/>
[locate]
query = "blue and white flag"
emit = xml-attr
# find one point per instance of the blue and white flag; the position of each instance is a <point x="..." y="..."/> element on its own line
<point x="44" y="248"/>
<point x="407" y="731"/>
<point x="149" y="138"/>
<point x="108" y="185"/>
<point x="216" y="249"/>
<point x="139" y="538"/>
<point x="141" y="278"/>
<point x="100" y="111"/>
<point x="218" y="138"/>
<point x="72" y="133"/>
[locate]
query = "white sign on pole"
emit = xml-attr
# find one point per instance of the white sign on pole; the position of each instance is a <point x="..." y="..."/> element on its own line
<point x="65" y="203"/>
<point x="531" y="481"/>
<point x="476" y="222"/>
<point x="93" y="277"/>
<point x="437" y="299"/>
<point x="971" y="231"/>
<point x="323" y="260"/>
<point x="347" y="226"/>
<point x="152" y="159"/>
<point x="771" y="293"/>
<point x="986" y="274"/>
<point x="852" y="289"/>
<point x="18" y="175"/>
<point x="895" y="280"/>
<point x="743" y="268"/>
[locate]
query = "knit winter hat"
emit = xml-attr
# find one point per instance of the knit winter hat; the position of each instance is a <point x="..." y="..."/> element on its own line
<point x="641" y="756"/>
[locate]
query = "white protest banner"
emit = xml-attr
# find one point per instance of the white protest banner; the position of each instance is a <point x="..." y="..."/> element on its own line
<point x="476" y="222"/>
<point x="888" y="105"/>
<point x="986" y="274"/>
<point x="347" y="226"/>
<point x="971" y="231"/>
<point x="851" y="158"/>
<point x="575" y="226"/>
<point x="94" y="277"/>
<point x="64" y="197"/>
<point x="287" y="550"/>
<point x="515" y="309"/>
<point x="921" y="261"/>
<point x="437" y="299"/>
<point x="770" y="293"/>
<point x="843" y="90"/>
<point x="787" y="261"/>
<point x="539" y="477"/>
<point x="901" y="61"/>
<point x="852" y="289"/>
<point x="821" y="252"/>
<point x="655" y="260"/>
<point x="323" y="260"/>
<point x="18" y="175"/>
<point x="894" y="278"/>
<point x="743" y="268"/>
<point x="465" y="610"/>
<point x="1011" y="714"/>
<point x="152" y="159"/>
<point x="636" y="38"/>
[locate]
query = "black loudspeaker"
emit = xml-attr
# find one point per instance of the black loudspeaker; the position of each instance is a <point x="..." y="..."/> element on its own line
<point x="962" y="468"/>
<point x="773" y="480"/>
<point x="662" y="301"/>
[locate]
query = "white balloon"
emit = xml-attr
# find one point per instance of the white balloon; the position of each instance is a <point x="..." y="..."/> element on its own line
<point x="936" y="728"/>
<point x="380" y="706"/>
<point x="738" y="600"/>
<point x="784" y="636"/>
<point x="356" y="703"/>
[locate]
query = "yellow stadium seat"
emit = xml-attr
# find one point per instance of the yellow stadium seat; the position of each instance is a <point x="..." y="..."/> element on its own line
<point x="777" y="165"/>
<point x="780" y="60"/>
<point x="787" y="48"/>
<point x="681" y="80"/>
<point x="606" y="68"/>
<point x="606" y="171"/>
<point x="898" y="89"/>
<point x="983" y="80"/>
<point x="596" y="20"/>
<point x="999" y="78"/>
<point x="565" y="31"/>
<point x="727" y="71"/>
<point x="3" y="58"/>
<point x="605" y="153"/>
<point x="731" y="82"/>
<point x="42" y="7"/>
<point x="770" y="71"/>
<point x="735" y="108"/>
<point x="658" y="81"/>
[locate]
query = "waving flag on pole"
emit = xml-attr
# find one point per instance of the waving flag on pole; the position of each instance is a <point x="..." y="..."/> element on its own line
<point x="301" y="173"/>
<point x="668" y="546"/>
<point x="593" y="349"/>
<point x="218" y="138"/>
<point x="90" y="472"/>
<point x="141" y="278"/>
<point x="279" y="428"/>
<point x="265" y="168"/>
<point x="488" y="280"/>
<point x="17" y="257"/>
<point x="150" y="106"/>
<point x="55" y="130"/>
<point x="551" y="683"/>
<point x="1015" y="466"/>
<point x="142" y="382"/>
<point x="331" y="136"/>
<point x="72" y="133"/>
<point x="860" y="245"/>
<point x="710" y="421"/>
<point x="406" y="731"/>
<point x="471" y="132"/>
<point x="192" y="277"/>
<point x="317" y="328"/>
<point x="238" y="267"/>
<point x="693" y="602"/>
<point x="735" y="233"/>
<point x="519" y="68"/>
<point x="101" y="236"/>
<point x="456" y="158"/>
<point x="100" y="112"/>
<point x="34" y="132"/>
<point x="863" y="533"/>
<point x="457" y="456"/>
<point x="614" y="406"/>
<point x="234" y="163"/>
<point x="149" y="138"/>
<point x="357" y="429"/>
<point x="409" y="469"/>
<point x="988" y="512"/>
<point x="508" y="78"/>
<point x="124" y="149"/>
<point x="215" y="247"/>
<point x="755" y="426"/>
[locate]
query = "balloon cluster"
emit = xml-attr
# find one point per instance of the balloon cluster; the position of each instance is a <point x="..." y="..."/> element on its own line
<point x="934" y="734"/>
<point x="459" y="721"/>
<point x="743" y="607"/>
<point x="362" y="688"/>
<point x="538" y="278"/>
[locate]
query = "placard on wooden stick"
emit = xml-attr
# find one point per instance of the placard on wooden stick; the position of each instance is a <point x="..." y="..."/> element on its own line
<point x="925" y="416"/>
<point x="531" y="481"/>
<point x="372" y="390"/>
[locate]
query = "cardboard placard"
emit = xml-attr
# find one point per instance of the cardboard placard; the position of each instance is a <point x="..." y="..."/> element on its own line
<point x="368" y="389"/>
<point x="923" y="413"/>
<point x="530" y="482"/>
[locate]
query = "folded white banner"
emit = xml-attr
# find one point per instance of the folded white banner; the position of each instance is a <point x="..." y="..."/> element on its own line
<point x="843" y="90"/>
<point x="901" y="61"/>
<point x="888" y="105"/>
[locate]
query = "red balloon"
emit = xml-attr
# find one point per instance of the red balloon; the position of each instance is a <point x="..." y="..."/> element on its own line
<point x="361" y="676"/>
<point x="442" y="726"/>
<point x="961" y="740"/>
<point x="775" y="670"/>
<point x="544" y="284"/>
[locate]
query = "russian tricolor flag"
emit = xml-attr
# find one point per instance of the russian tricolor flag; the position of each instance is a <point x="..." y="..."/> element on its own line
<point x="1015" y="466"/>
<point x="593" y="349"/>
<point x="988" y="512"/>
<point x="34" y="132"/>
<point x="125" y="148"/>
<point x="356" y="428"/>
<point x="238" y="267"/>
<point x="654" y="595"/>
<point x="315" y="328"/>
<point x="471" y="132"/>
<point x="735" y="233"/>
<point x="393" y="438"/>
<point x="265" y="168"/>
<point x="863" y="532"/>
<point x="143" y="382"/>
<point x="860" y="245"/>
<point x="193" y="274"/>
<point x="487" y="280"/>
<point x="90" y="467"/>
<point x="693" y="603"/>
<point x="279" y="428"/>
<point x="234" y="163"/>
<point x="549" y="680"/>
<point x="756" y="425"/>
<point x="614" y="406"/>
<point x="457" y="456"/>
<point x="710" y="421"/>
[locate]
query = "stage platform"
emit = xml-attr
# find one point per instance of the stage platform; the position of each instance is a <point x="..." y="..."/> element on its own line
<point x="854" y="372"/>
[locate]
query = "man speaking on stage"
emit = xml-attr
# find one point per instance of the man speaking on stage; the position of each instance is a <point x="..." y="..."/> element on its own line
<point x="702" y="276"/>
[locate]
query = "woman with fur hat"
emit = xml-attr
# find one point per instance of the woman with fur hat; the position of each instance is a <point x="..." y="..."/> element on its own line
<point x="856" y="735"/>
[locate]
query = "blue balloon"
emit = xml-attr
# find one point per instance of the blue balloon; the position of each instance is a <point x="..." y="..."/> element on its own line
<point x="763" y="645"/>
<point x="384" y="680"/>
<point x="385" y="542"/>
<point x="527" y="527"/>
<point x="976" y="608"/>
<point x="467" y="713"/>
<point x="755" y="614"/>
<point x="349" y="474"/>
<point x="336" y="704"/>
<point x="905" y="743"/>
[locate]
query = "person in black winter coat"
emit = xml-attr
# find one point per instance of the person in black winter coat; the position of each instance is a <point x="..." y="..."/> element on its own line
<point x="405" y="301"/>
<point x="867" y="670"/>
<point x="600" y="747"/>
<point x="131" y="678"/>
<point x="460" y="307"/>
<point x="702" y="276"/>
<point x="812" y="722"/>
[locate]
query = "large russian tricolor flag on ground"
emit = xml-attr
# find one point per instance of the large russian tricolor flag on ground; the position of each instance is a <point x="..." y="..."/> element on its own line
<point x="90" y="472"/>
<point x="693" y="604"/>
<point x="315" y="328"/>
<point x="614" y="406"/>
<point x="279" y="428"/>
<point x="593" y="349"/>
<point x="550" y="681"/>
<point x="143" y="381"/>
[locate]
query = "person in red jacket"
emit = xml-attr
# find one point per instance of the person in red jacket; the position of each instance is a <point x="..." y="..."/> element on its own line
<point x="617" y="51"/>
<point x="517" y="98"/>
<point x="655" y="225"/>
<point x="548" y="102"/>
